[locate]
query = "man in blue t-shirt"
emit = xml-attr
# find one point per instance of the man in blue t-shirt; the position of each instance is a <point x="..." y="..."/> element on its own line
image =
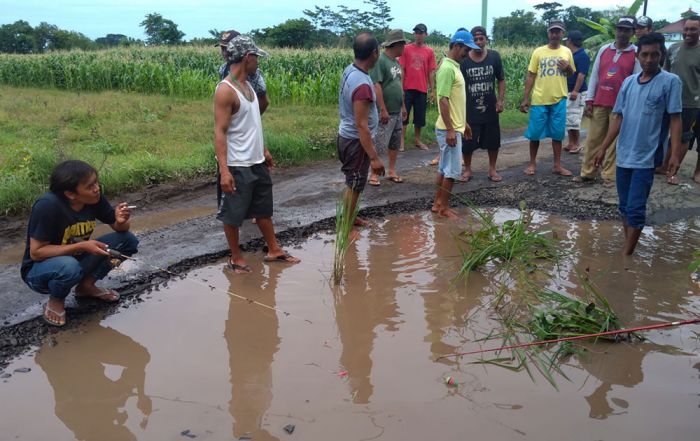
<point x="637" y="118"/>
<point x="576" y="84"/>
<point x="59" y="253"/>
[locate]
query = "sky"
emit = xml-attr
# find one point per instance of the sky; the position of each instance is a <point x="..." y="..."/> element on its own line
<point x="96" y="18"/>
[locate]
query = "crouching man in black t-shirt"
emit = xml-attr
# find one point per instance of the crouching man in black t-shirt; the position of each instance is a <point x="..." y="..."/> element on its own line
<point x="59" y="253"/>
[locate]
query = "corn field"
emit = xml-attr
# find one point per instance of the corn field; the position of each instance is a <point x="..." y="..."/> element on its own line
<point x="305" y="77"/>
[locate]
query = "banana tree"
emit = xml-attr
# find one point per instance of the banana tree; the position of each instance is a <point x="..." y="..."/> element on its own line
<point x="605" y="27"/>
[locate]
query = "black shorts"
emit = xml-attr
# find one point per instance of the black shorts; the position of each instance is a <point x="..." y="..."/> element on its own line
<point x="418" y="101"/>
<point x="691" y="126"/>
<point x="355" y="162"/>
<point x="252" y="197"/>
<point x="484" y="136"/>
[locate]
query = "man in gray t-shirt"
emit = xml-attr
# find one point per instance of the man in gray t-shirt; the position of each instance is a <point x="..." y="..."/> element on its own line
<point x="358" y="121"/>
<point x="683" y="59"/>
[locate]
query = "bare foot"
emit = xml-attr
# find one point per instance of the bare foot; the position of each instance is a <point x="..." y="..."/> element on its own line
<point x="421" y="146"/>
<point x="530" y="170"/>
<point x="567" y="147"/>
<point x="672" y="180"/>
<point x="448" y="213"/>
<point x="561" y="171"/>
<point x="435" y="208"/>
<point x="359" y="222"/>
<point x="354" y="235"/>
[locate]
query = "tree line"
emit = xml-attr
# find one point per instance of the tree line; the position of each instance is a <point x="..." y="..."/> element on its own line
<point x="319" y="27"/>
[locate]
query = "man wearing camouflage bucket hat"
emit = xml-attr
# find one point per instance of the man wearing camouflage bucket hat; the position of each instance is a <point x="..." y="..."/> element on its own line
<point x="242" y="158"/>
<point x="256" y="80"/>
<point x="388" y="85"/>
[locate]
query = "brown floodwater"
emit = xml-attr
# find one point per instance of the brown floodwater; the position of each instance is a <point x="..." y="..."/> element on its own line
<point x="193" y="358"/>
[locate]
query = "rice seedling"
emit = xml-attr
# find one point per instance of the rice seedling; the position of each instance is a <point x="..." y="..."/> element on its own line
<point x="344" y="222"/>
<point x="513" y="241"/>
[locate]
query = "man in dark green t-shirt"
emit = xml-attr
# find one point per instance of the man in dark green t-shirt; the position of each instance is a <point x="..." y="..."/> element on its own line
<point x="388" y="85"/>
<point x="683" y="59"/>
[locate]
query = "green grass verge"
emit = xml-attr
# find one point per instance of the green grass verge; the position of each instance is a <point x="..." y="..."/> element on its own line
<point x="137" y="140"/>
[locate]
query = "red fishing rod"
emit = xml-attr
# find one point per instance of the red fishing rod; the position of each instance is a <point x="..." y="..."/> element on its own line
<point x="577" y="337"/>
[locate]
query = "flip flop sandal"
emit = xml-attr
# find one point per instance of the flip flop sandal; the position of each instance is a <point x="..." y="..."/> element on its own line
<point x="576" y="151"/>
<point x="374" y="182"/>
<point x="239" y="269"/>
<point x="496" y="178"/>
<point x="672" y="180"/>
<point x="286" y="257"/>
<point x="434" y="161"/>
<point x="464" y="178"/>
<point x="105" y="295"/>
<point x="51" y="322"/>
<point x="395" y="179"/>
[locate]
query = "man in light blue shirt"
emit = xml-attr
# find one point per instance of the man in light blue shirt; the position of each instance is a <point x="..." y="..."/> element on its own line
<point x="637" y="119"/>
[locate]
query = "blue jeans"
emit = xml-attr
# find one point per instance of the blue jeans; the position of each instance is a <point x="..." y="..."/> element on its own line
<point x="633" y="188"/>
<point x="56" y="276"/>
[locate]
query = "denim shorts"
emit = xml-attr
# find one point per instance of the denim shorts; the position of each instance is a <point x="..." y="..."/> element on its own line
<point x="633" y="188"/>
<point x="450" y="165"/>
<point x="547" y="121"/>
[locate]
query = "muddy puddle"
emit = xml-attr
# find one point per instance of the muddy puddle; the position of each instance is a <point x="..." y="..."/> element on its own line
<point x="357" y="362"/>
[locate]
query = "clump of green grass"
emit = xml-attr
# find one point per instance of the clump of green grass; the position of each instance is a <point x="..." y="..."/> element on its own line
<point x="344" y="222"/>
<point x="546" y="314"/>
<point x="514" y="241"/>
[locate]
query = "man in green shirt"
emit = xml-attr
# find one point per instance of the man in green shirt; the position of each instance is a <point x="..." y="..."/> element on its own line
<point x="388" y="86"/>
<point x="451" y="124"/>
<point x="683" y="59"/>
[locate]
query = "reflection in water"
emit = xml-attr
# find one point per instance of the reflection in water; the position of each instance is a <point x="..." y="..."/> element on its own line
<point x="599" y="365"/>
<point x="251" y="335"/>
<point x="88" y="402"/>
<point x="365" y="301"/>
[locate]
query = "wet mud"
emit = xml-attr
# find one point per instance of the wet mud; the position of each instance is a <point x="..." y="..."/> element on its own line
<point x="188" y="358"/>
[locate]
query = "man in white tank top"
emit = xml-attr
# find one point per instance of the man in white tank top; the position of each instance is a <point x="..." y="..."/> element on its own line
<point x="242" y="158"/>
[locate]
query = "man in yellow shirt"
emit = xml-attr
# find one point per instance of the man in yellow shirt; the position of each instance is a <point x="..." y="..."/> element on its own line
<point x="452" y="120"/>
<point x="547" y="72"/>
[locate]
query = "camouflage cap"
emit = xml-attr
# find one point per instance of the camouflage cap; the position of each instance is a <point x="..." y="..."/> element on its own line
<point x="243" y="45"/>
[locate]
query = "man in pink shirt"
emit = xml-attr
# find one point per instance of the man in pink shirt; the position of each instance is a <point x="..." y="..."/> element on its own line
<point x="419" y="66"/>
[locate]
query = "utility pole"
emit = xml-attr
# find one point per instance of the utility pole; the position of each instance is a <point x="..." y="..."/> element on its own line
<point x="645" y="7"/>
<point x="485" y="6"/>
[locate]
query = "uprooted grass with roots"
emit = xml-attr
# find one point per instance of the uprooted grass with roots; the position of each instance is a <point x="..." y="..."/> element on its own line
<point x="513" y="242"/>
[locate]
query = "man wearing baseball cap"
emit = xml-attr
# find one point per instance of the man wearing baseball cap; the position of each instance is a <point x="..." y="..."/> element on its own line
<point x="451" y="124"/>
<point x="418" y="63"/>
<point x="643" y="26"/>
<point x="242" y="158"/>
<point x="549" y="67"/>
<point x="577" y="86"/>
<point x="388" y="86"/>
<point x="613" y="63"/>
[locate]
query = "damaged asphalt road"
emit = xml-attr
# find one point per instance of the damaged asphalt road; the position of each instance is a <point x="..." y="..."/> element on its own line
<point x="305" y="201"/>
